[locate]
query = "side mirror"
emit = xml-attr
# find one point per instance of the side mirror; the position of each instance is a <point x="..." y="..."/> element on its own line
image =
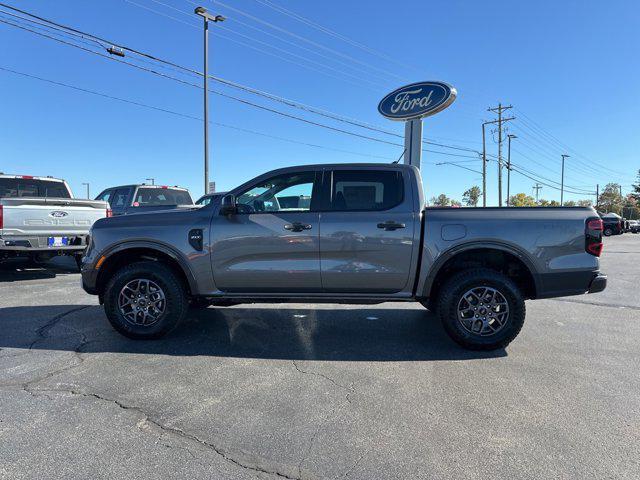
<point x="228" y="205"/>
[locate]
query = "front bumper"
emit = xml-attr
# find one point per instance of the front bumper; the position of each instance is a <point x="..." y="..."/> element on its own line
<point x="598" y="284"/>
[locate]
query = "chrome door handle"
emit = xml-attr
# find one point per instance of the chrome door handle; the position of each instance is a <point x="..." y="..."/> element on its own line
<point x="297" y="226"/>
<point x="391" y="225"/>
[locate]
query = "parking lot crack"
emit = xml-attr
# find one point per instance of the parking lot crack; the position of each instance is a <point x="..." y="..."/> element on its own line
<point x="349" y="389"/>
<point x="239" y="459"/>
<point x="43" y="330"/>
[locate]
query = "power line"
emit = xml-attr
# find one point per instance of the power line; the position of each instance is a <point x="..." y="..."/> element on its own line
<point x="192" y="117"/>
<point x="245" y="88"/>
<point x="588" y="162"/>
<point x="311" y="42"/>
<point x="184" y="115"/>
<point x="330" y="32"/>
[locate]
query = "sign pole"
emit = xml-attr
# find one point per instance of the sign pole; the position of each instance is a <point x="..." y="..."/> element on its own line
<point x="413" y="142"/>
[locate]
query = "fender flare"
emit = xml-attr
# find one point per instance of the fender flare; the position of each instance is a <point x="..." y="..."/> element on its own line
<point x="159" y="247"/>
<point x="447" y="255"/>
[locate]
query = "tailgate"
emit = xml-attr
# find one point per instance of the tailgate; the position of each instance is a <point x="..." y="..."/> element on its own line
<point x="46" y="216"/>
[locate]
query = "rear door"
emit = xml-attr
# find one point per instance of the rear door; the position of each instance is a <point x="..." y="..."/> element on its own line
<point x="271" y="244"/>
<point x="366" y="231"/>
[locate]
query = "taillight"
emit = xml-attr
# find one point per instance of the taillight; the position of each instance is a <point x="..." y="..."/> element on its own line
<point x="593" y="236"/>
<point x="109" y="213"/>
<point x="1" y="217"/>
<point x="595" y="224"/>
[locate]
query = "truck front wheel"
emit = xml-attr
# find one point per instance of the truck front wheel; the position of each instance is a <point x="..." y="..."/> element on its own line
<point x="481" y="309"/>
<point x="145" y="300"/>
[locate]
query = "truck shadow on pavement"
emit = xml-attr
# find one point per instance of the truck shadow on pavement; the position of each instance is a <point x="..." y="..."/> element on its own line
<point x="20" y="270"/>
<point x="286" y="333"/>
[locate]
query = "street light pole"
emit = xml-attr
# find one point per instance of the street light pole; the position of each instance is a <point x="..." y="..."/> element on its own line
<point x="509" y="137"/>
<point x="152" y="180"/>
<point x="88" y="194"/>
<point x="214" y="18"/>
<point x="562" y="181"/>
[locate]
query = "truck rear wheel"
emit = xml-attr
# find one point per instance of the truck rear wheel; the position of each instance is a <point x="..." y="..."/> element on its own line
<point x="481" y="309"/>
<point x="145" y="300"/>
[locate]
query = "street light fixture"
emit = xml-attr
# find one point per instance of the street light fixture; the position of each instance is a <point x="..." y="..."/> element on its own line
<point x="206" y="16"/>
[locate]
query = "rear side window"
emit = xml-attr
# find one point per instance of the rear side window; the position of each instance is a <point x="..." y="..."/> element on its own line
<point x="23" y="187"/>
<point x="365" y="190"/>
<point x="153" y="197"/>
<point x="119" y="198"/>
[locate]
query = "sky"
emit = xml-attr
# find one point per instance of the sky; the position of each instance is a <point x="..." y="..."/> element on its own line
<point x="570" y="70"/>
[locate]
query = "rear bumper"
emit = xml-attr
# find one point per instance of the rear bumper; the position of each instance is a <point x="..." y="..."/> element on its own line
<point x="40" y="243"/>
<point x="598" y="284"/>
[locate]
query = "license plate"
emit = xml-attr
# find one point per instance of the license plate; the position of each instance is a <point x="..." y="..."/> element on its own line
<point x="58" y="241"/>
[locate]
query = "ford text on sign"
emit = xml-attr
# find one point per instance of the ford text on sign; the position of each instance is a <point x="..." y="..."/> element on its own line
<point x="417" y="100"/>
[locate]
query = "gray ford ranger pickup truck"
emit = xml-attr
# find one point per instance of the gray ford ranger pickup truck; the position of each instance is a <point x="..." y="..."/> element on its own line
<point x="355" y="233"/>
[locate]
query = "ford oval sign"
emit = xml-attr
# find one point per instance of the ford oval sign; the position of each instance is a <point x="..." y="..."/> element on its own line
<point x="417" y="100"/>
<point x="58" y="214"/>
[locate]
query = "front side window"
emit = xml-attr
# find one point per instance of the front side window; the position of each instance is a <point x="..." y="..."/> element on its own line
<point x="366" y="190"/>
<point x="284" y="193"/>
<point x="104" y="196"/>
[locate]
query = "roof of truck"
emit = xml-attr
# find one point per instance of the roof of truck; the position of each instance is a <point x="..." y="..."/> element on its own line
<point x="146" y="185"/>
<point x="31" y="177"/>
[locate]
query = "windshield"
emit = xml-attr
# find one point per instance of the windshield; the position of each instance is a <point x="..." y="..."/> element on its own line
<point x="153" y="197"/>
<point x="24" y="187"/>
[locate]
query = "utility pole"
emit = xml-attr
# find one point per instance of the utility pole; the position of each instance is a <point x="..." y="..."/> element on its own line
<point x="562" y="181"/>
<point x="509" y="137"/>
<point x="537" y="188"/>
<point x="499" y="109"/>
<point x="484" y="169"/>
<point x="214" y="18"/>
<point x="88" y="194"/>
<point x="597" y="194"/>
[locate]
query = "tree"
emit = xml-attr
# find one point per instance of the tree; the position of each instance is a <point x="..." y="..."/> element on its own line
<point x="636" y="189"/>
<point x="522" y="200"/>
<point x="610" y="199"/>
<point x="471" y="197"/>
<point x="585" y="203"/>
<point x="455" y="203"/>
<point x="570" y="203"/>
<point x="548" y="203"/>
<point x="441" y="201"/>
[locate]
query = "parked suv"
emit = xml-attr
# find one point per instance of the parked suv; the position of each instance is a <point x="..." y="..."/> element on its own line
<point x="355" y="233"/>
<point x="139" y="198"/>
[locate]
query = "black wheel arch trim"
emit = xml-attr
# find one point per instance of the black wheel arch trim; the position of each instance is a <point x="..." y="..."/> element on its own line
<point x="159" y="247"/>
<point x="455" y="250"/>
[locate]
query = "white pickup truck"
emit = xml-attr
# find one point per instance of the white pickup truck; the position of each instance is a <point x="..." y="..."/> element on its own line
<point x="39" y="218"/>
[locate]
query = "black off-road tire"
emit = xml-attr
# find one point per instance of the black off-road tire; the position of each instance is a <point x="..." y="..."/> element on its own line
<point x="608" y="232"/>
<point x="453" y="291"/>
<point x="176" y="304"/>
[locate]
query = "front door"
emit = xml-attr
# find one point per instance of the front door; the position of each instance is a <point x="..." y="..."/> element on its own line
<point x="271" y="245"/>
<point x="367" y="231"/>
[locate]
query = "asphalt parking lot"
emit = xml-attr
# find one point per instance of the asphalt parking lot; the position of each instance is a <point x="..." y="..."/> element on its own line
<point x="330" y="391"/>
